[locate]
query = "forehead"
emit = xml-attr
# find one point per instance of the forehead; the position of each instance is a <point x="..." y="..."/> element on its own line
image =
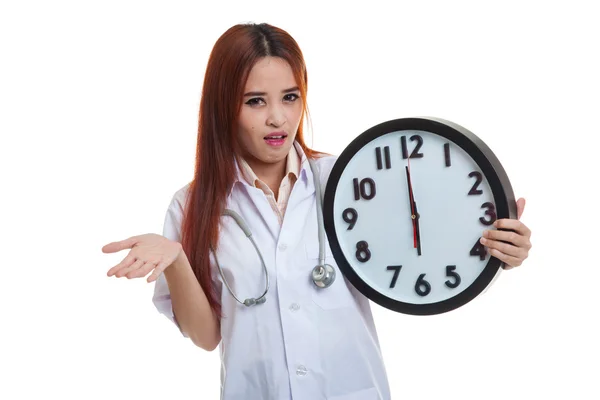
<point x="270" y="73"/>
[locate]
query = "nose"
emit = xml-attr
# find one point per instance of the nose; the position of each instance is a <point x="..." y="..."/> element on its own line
<point x="276" y="116"/>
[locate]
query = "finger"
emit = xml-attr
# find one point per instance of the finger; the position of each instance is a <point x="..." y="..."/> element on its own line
<point x="142" y="271"/>
<point x="158" y="270"/>
<point x="133" y="266"/>
<point x="507" y="236"/>
<point x="505" y="248"/>
<point x="508" y="260"/>
<point x="520" y="207"/>
<point x="127" y="261"/>
<point x="114" y="247"/>
<point x="513" y="224"/>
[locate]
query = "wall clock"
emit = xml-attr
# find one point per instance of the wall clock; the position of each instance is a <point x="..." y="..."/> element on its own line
<point x="404" y="208"/>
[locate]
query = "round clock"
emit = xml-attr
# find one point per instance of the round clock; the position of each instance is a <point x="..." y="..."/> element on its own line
<point x="404" y="208"/>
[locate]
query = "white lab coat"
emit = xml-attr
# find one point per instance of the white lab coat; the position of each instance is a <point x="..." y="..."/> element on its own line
<point x="303" y="343"/>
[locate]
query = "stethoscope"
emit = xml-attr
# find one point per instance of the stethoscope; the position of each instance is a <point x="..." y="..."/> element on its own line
<point x="323" y="275"/>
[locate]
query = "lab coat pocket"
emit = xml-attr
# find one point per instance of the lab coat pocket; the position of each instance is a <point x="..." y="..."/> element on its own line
<point x="335" y="296"/>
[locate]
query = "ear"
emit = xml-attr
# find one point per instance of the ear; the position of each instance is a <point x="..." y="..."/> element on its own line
<point x="520" y="207"/>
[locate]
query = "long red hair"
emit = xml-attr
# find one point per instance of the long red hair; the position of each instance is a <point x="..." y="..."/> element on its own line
<point x="231" y="59"/>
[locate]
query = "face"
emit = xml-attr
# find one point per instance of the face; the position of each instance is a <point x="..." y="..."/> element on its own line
<point x="270" y="114"/>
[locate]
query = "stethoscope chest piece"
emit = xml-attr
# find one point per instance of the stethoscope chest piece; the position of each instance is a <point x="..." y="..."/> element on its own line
<point x="323" y="275"/>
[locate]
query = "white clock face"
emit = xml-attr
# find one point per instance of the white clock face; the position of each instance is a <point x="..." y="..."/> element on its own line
<point x="434" y="256"/>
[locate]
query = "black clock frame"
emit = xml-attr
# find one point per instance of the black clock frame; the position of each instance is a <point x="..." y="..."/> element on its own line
<point x="491" y="168"/>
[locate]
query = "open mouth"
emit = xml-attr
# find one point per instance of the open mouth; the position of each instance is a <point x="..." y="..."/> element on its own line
<point x="275" y="137"/>
<point x="275" y="140"/>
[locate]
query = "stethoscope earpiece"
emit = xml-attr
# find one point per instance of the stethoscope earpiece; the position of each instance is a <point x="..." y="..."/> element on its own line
<point x="253" y="301"/>
<point x="323" y="275"/>
<point x="249" y="302"/>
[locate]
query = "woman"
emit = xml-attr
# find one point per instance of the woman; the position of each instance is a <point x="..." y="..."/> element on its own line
<point x="302" y="342"/>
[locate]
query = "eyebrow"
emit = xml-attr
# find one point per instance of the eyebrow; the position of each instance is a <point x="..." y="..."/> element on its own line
<point x="294" y="89"/>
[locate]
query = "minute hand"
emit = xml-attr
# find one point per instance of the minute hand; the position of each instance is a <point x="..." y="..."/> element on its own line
<point x="411" y="200"/>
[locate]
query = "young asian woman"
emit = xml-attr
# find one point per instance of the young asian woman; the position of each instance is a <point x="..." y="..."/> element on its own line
<point x="279" y="335"/>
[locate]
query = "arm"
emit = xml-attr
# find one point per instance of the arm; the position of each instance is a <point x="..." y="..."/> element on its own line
<point x="191" y="306"/>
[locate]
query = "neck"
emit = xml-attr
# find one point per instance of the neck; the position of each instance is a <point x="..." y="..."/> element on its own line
<point x="271" y="174"/>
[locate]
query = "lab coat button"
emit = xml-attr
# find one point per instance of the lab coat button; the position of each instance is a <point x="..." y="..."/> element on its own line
<point x="282" y="246"/>
<point x="294" y="307"/>
<point x="301" y="370"/>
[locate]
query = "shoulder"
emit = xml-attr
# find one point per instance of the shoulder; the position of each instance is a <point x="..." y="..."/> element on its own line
<point x="325" y="164"/>
<point x="175" y="209"/>
<point x="174" y="214"/>
<point x="179" y="198"/>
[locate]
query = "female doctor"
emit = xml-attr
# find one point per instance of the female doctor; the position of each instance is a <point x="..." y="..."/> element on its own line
<point x="234" y="265"/>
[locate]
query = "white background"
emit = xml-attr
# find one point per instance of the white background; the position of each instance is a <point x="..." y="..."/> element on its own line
<point x="98" y="114"/>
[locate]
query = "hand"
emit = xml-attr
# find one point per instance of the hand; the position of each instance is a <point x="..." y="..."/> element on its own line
<point x="512" y="248"/>
<point x="148" y="252"/>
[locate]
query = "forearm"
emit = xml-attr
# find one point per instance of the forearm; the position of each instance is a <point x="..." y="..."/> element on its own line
<point x="191" y="306"/>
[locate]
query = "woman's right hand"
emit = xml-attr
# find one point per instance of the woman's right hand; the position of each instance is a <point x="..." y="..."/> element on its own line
<point x="148" y="252"/>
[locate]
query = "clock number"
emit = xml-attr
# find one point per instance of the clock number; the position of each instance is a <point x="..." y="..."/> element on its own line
<point x="363" y="254"/>
<point x="388" y="160"/>
<point x="478" y="250"/>
<point x="396" y="269"/>
<point x="360" y="190"/>
<point x="447" y="154"/>
<point x="450" y="273"/>
<point x="479" y="179"/>
<point x="422" y="287"/>
<point x="350" y="219"/>
<point x="491" y="211"/>
<point x="415" y="153"/>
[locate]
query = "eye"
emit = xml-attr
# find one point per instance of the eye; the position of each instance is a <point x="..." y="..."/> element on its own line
<point x="291" y="97"/>
<point x="255" y="101"/>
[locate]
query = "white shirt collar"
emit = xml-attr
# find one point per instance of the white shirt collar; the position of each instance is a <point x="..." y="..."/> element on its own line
<point x="300" y="161"/>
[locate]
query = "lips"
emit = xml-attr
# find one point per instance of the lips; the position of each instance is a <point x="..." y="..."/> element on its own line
<point x="276" y="139"/>
<point x="276" y="136"/>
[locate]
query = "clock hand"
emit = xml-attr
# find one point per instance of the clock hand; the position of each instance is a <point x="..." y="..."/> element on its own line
<point x="418" y="231"/>
<point x="411" y="200"/>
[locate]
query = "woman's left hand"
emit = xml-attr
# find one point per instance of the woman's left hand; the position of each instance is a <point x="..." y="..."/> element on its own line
<point x="517" y="249"/>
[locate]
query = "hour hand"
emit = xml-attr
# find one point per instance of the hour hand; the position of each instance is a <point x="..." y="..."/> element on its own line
<point x="418" y="231"/>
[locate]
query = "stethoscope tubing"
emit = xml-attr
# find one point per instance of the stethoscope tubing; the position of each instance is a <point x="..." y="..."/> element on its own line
<point x="323" y="275"/>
